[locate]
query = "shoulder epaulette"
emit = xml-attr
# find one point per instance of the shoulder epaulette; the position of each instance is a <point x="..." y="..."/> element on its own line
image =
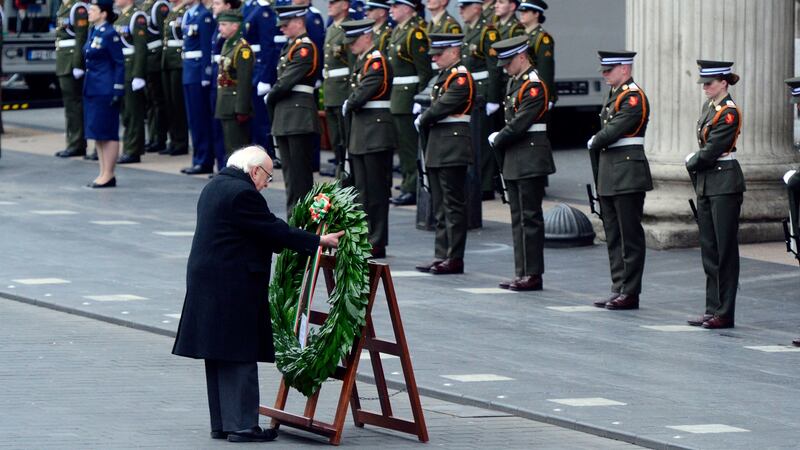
<point x="375" y="54"/>
<point x="533" y="76"/>
<point x="305" y="40"/>
<point x="633" y="87"/>
<point x="462" y="69"/>
<point x="314" y="10"/>
<point x="730" y="104"/>
<point x="263" y="2"/>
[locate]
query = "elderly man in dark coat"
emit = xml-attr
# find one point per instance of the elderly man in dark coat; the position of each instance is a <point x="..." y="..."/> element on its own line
<point x="225" y="317"/>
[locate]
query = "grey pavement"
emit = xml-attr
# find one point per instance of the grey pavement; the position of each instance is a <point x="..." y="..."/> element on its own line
<point x="543" y="355"/>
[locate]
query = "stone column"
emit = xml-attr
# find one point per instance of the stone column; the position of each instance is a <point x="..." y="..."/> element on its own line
<point x="669" y="35"/>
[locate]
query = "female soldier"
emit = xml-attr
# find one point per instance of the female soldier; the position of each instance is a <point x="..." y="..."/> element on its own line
<point x="719" y="184"/>
<point x="103" y="89"/>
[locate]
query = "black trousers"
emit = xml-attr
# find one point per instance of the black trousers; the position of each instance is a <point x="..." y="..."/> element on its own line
<point x="527" y="224"/>
<point x="622" y="222"/>
<point x="296" y="153"/>
<point x="449" y="202"/>
<point x="232" y="395"/>
<point x="718" y="220"/>
<point x="372" y="175"/>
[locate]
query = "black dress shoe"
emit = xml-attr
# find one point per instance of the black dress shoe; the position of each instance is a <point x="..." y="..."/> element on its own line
<point x="108" y="184"/>
<point x="129" y="159"/>
<point x="70" y="152"/>
<point x="172" y="151"/>
<point x="255" y="434"/>
<point x="219" y="435"/>
<point x="696" y="322"/>
<point x="527" y="283"/>
<point x="506" y="284"/>
<point x="427" y="267"/>
<point x="91" y="157"/>
<point x="603" y="301"/>
<point x="796" y="342"/>
<point x="197" y="170"/>
<point x="154" y="147"/>
<point x="405" y="199"/>
<point x="624" y="301"/>
<point x="717" y="322"/>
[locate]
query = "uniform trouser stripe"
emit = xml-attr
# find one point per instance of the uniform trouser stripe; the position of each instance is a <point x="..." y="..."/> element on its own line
<point x="718" y="220"/>
<point x="622" y="222"/>
<point x="72" y="96"/>
<point x="134" y="108"/>
<point x="527" y="224"/>
<point x="372" y="176"/>
<point x="407" y="138"/>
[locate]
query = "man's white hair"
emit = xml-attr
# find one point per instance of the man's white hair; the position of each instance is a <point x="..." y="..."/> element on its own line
<point x="248" y="157"/>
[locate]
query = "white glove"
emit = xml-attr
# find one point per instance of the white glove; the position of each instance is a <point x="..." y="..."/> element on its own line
<point x="317" y="84"/>
<point x="263" y="88"/>
<point x="589" y="142"/>
<point x="492" y="108"/>
<point x="789" y="175"/>
<point x="689" y="156"/>
<point x="205" y="83"/>
<point x="417" y="123"/>
<point x="492" y="137"/>
<point x="416" y="109"/>
<point x="137" y="84"/>
<point x="344" y="108"/>
<point x="550" y="105"/>
<point x="77" y="73"/>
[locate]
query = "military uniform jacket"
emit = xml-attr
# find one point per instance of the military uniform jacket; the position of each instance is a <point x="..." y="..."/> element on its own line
<point x="447" y="119"/>
<point x="371" y="126"/>
<point x="72" y="27"/>
<point x="234" y="88"/>
<point x="105" y="65"/>
<point x="336" y="72"/>
<point x="522" y="145"/>
<point x="509" y="28"/>
<point x="622" y="169"/>
<point x="488" y="12"/>
<point x="157" y="11"/>
<point x="259" y="29"/>
<point x="446" y="25"/>
<point x="481" y="60"/>
<point x="541" y="49"/>
<point x="408" y="55"/>
<point x="131" y="26"/>
<point x="381" y="36"/>
<point x="292" y="104"/>
<point x="717" y="131"/>
<point x="198" y="29"/>
<point x="172" y="39"/>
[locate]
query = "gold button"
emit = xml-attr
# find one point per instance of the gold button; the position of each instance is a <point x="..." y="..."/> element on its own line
<point x="455" y="133"/>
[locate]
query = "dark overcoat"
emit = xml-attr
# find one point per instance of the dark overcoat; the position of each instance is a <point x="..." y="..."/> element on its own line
<point x="226" y="310"/>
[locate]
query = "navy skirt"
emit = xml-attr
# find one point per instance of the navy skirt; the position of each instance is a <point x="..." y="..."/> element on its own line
<point x="100" y="118"/>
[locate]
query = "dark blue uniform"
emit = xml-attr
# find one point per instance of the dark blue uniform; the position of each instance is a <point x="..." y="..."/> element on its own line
<point x="259" y="30"/>
<point x="217" y="138"/>
<point x="105" y="78"/>
<point x="198" y="30"/>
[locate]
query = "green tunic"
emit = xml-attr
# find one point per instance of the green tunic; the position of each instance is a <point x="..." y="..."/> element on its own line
<point x="234" y="92"/>
<point x="542" y="50"/>
<point x="381" y="36"/>
<point x="445" y="25"/>
<point x="72" y="25"/>
<point x="131" y="25"/>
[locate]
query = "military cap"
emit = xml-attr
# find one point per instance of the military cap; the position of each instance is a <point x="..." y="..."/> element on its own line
<point x="507" y="49"/>
<point x="794" y="83"/>
<point x="231" y="15"/>
<point x="355" y="28"/>
<point x="610" y="59"/>
<point x="103" y="2"/>
<point x="532" y="5"/>
<point x="378" y="4"/>
<point x="441" y="41"/>
<point x="289" y="12"/>
<point x="411" y="3"/>
<point x="462" y="3"/>
<point x="713" y="70"/>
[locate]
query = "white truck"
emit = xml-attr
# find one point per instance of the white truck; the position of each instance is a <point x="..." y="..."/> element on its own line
<point x="29" y="41"/>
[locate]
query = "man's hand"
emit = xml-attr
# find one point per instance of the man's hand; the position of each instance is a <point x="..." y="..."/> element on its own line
<point x="344" y="108"/>
<point x="263" y="88"/>
<point x="492" y="137"/>
<point x="137" y="84"/>
<point x="77" y="73"/>
<point x="492" y="108"/>
<point x="416" y="109"/>
<point x="589" y="142"/>
<point x="205" y="83"/>
<point x="417" y="123"/>
<point x="330" y="240"/>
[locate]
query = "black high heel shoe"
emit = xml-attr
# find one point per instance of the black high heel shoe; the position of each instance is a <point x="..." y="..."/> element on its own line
<point x="108" y="184"/>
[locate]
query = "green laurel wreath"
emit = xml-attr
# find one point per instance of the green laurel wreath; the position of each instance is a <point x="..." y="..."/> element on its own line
<point x="307" y="368"/>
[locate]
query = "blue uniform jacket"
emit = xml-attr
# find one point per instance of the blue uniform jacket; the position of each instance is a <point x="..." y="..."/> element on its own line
<point x="198" y="29"/>
<point x="259" y="30"/>
<point x="216" y="49"/>
<point x="105" y="65"/>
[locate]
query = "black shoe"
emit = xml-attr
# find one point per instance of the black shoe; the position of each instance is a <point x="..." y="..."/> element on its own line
<point x="219" y="435"/>
<point x="405" y="199"/>
<point x="172" y="151"/>
<point x="91" y="157"/>
<point x="71" y="152"/>
<point x="129" y="159"/>
<point x="255" y="434"/>
<point x="108" y="184"/>
<point x="166" y="150"/>
<point x="197" y="170"/>
<point x="154" y="147"/>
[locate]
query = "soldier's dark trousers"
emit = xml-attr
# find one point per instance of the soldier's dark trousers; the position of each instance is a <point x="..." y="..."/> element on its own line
<point x="527" y="224"/>
<point x="72" y="96"/>
<point x="718" y="220"/>
<point x="232" y="395"/>
<point x="296" y="152"/>
<point x="407" y="142"/>
<point x="218" y="135"/>
<point x="260" y="125"/>
<point x="200" y="122"/>
<point x="372" y="174"/>
<point x="157" y="124"/>
<point x="134" y="108"/>
<point x="794" y="216"/>
<point x="336" y="132"/>
<point x="622" y="222"/>
<point x="176" y="108"/>
<point x="449" y="203"/>
<point x="488" y="161"/>
<point x="236" y="135"/>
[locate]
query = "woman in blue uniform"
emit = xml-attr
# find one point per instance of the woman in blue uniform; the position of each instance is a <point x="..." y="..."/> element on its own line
<point x="103" y="89"/>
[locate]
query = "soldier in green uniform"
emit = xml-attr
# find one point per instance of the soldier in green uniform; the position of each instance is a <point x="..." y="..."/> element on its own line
<point x="526" y="159"/>
<point x="505" y="19"/>
<point x="487" y="12"/>
<point x="131" y="25"/>
<point x="234" y="86"/>
<point x="292" y="105"/>
<point x="441" y="21"/>
<point x="71" y="31"/>
<point x="378" y="10"/>
<point x="792" y="180"/>
<point x="172" y="80"/>
<point x="540" y="46"/>
<point x="156" y="11"/>
<point x="481" y="61"/>
<point x="622" y="176"/>
<point x="446" y="125"/>
<point x="411" y="66"/>
<point x="372" y="137"/>
<point x="336" y="79"/>
<point x="719" y="185"/>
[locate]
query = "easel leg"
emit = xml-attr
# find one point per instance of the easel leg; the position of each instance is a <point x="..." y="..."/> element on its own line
<point x="280" y="402"/>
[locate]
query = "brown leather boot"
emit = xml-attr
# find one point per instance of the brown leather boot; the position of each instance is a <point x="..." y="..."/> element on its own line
<point x="603" y="301"/>
<point x="527" y="283"/>
<point x="449" y="267"/>
<point x="624" y="301"/>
